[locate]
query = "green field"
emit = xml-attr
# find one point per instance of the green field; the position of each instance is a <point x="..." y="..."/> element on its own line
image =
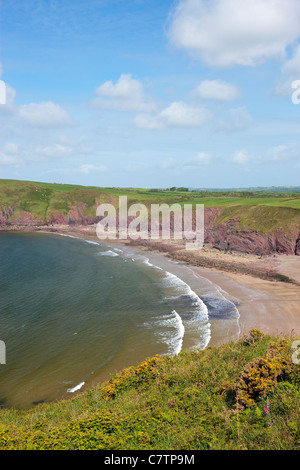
<point x="261" y="211"/>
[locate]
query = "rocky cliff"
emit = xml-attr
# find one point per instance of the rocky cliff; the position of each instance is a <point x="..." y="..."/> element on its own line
<point x="229" y="236"/>
<point x="226" y="234"/>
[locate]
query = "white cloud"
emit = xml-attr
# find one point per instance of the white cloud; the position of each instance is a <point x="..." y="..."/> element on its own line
<point x="6" y="160"/>
<point x="63" y="148"/>
<point x="227" y="33"/>
<point x="88" y="168"/>
<point x="127" y="94"/>
<point x="283" y="153"/>
<point x="290" y="72"/>
<point x="241" y="157"/>
<point x="180" y="114"/>
<point x="177" y="114"/>
<point x="199" y="160"/>
<point x="9" y="106"/>
<point x="55" y="150"/>
<point x="291" y="66"/>
<point x="274" y="155"/>
<point x="44" y="115"/>
<point x="85" y="169"/>
<point x="192" y="164"/>
<point x="148" y="121"/>
<point x="238" y="119"/>
<point x="216" y="90"/>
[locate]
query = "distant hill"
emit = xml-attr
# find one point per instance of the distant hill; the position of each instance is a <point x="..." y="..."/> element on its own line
<point x="266" y="189"/>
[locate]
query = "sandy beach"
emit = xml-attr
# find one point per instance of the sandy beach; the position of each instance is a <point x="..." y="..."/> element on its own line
<point x="271" y="306"/>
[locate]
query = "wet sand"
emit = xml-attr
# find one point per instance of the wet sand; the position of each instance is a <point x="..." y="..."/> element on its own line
<point x="271" y="306"/>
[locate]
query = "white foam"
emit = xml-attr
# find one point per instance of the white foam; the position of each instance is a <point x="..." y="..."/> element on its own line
<point x="200" y="320"/>
<point x="183" y="288"/>
<point x="66" y="235"/>
<point x="147" y="262"/>
<point x="180" y="333"/>
<point x="173" y="339"/>
<point x="77" y="387"/>
<point x="107" y="253"/>
<point x="92" y="242"/>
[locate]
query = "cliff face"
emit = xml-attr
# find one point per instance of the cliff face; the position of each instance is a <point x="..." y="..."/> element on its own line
<point x="224" y="235"/>
<point x="228" y="236"/>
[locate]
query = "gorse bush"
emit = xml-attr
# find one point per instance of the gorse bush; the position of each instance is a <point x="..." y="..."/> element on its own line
<point x="260" y="376"/>
<point x="132" y="377"/>
<point x="241" y="395"/>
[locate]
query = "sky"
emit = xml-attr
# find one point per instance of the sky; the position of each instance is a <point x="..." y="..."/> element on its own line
<point x="151" y="93"/>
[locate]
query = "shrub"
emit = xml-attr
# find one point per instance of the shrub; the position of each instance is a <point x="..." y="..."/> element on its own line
<point x="260" y="376"/>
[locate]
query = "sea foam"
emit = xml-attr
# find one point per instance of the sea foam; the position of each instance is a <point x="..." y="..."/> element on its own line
<point x="77" y="387"/>
<point x="107" y="253"/>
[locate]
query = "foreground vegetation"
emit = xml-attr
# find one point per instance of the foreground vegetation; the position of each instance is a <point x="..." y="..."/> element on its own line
<point x="240" y="395"/>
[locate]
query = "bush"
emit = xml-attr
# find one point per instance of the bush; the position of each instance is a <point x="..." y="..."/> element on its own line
<point x="260" y="376"/>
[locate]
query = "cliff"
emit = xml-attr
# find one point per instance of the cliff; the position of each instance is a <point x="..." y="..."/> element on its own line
<point x="254" y="225"/>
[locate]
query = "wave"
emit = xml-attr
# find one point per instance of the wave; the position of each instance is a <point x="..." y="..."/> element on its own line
<point x="180" y="333"/>
<point x="147" y="262"/>
<point x="107" y="253"/>
<point x="165" y="327"/>
<point x="77" y="387"/>
<point x="91" y="242"/>
<point x="184" y="291"/>
<point x="188" y="312"/>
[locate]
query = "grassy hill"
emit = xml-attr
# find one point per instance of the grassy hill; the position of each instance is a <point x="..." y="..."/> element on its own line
<point x="211" y="399"/>
<point x="254" y="210"/>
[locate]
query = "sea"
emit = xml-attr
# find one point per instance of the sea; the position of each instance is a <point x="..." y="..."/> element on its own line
<point x="74" y="312"/>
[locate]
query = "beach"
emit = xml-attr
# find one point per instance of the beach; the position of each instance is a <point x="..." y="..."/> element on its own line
<point x="271" y="306"/>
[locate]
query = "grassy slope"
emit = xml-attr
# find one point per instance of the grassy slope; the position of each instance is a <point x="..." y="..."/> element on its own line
<point x="211" y="399"/>
<point x="261" y="212"/>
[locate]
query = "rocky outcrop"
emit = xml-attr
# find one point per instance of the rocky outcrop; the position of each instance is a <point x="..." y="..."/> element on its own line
<point x="9" y="216"/>
<point x="297" y="246"/>
<point x="257" y="243"/>
<point x="227" y="236"/>
<point x="6" y="214"/>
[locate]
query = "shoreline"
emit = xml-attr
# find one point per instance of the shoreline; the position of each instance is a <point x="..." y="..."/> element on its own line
<point x="271" y="306"/>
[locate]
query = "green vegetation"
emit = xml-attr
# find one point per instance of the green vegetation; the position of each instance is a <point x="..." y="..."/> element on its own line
<point x="211" y="399"/>
<point x="261" y="211"/>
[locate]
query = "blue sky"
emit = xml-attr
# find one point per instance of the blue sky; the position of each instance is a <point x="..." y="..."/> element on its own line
<point x="149" y="93"/>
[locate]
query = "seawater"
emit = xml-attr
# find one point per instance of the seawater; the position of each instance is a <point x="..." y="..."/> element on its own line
<point x="75" y="311"/>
